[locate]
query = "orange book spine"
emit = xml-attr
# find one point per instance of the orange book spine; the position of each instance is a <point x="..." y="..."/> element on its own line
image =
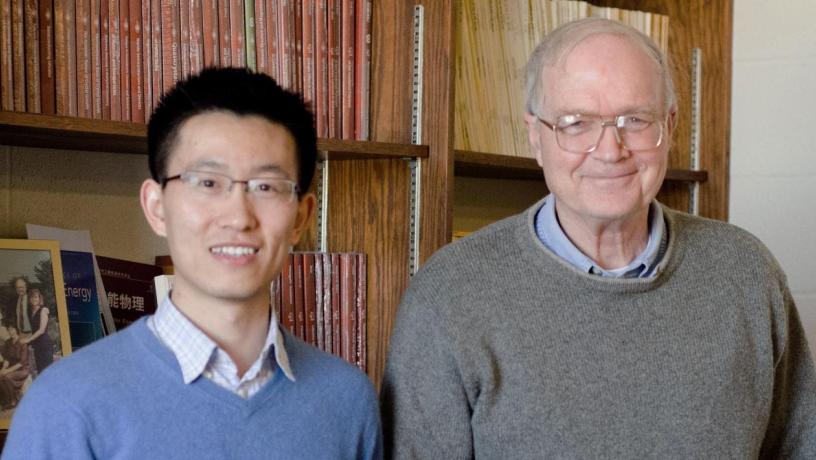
<point x="18" y="54"/>
<point x="209" y="19"/>
<point x="6" y="61"/>
<point x="65" y="58"/>
<point x="137" y="110"/>
<point x="32" y="56"/>
<point x="115" y="51"/>
<point x="83" y="59"/>
<point x="170" y="43"/>
<point x="48" y="91"/>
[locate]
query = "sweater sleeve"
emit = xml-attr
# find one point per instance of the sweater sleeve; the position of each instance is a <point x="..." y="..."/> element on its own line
<point x="791" y="431"/>
<point x="426" y="413"/>
<point x="46" y="426"/>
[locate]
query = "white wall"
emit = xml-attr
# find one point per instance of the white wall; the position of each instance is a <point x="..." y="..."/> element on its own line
<point x="773" y="138"/>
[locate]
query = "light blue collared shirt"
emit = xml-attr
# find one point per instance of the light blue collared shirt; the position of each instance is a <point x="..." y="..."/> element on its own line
<point x="645" y="265"/>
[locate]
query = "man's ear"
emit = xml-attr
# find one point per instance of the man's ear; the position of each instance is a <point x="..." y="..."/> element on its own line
<point x="534" y="136"/>
<point x="306" y="207"/>
<point x="151" y="197"/>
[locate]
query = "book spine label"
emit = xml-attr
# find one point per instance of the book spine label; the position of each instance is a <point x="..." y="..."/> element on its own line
<point x="137" y="110"/>
<point x="115" y="60"/>
<point x="32" y="56"/>
<point x="48" y="91"/>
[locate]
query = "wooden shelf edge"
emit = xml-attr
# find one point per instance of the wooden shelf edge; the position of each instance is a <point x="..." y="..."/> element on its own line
<point x="71" y="133"/>
<point x="494" y="166"/>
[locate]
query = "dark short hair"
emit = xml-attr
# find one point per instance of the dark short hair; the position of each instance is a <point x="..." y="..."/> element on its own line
<point x="242" y="92"/>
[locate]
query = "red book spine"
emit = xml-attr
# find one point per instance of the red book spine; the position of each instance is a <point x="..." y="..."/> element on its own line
<point x="347" y="66"/>
<point x="96" y="59"/>
<point x="83" y="43"/>
<point x="334" y="72"/>
<point x="327" y="303"/>
<point x="236" y="30"/>
<point x="273" y="38"/>
<point x="362" y="312"/>
<point x="156" y="56"/>
<point x="300" y="309"/>
<point x="147" y="51"/>
<point x="297" y="57"/>
<point x="209" y="19"/>
<point x="196" y="37"/>
<point x="288" y="294"/>
<point x="318" y="298"/>
<point x="321" y="68"/>
<point x="171" y="67"/>
<point x="137" y="110"/>
<point x="6" y="61"/>
<point x="18" y="54"/>
<point x="362" y="69"/>
<point x="184" y="35"/>
<point x="48" y="91"/>
<point x="224" y="32"/>
<point x="32" y="56"/>
<point x="337" y="348"/>
<point x="124" y="46"/>
<point x="115" y="60"/>
<point x="286" y="42"/>
<point x="348" y="315"/>
<point x="104" y="55"/>
<point x="309" y="300"/>
<point x="261" y="53"/>
<point x="308" y="52"/>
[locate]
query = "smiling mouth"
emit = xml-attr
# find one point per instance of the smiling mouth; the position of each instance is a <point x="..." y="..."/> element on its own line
<point x="234" y="251"/>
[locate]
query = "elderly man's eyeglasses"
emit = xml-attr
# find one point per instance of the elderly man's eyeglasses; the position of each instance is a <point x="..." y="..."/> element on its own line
<point x="209" y="184"/>
<point x="581" y="133"/>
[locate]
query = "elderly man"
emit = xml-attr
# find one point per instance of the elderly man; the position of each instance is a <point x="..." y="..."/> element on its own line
<point x="599" y="323"/>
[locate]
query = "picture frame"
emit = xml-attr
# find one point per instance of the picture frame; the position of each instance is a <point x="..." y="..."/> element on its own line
<point x="31" y="281"/>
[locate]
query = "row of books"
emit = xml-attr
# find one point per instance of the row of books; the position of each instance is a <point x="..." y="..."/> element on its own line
<point x="321" y="298"/>
<point x="113" y="59"/>
<point x="494" y="42"/>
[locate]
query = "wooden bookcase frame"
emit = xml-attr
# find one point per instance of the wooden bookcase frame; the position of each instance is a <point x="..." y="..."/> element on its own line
<point x="369" y="182"/>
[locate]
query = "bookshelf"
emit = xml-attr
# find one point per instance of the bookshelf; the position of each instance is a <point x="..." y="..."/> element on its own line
<point x="369" y="183"/>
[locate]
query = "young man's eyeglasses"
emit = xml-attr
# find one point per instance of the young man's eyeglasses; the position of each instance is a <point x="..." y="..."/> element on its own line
<point x="581" y="133"/>
<point x="210" y="184"/>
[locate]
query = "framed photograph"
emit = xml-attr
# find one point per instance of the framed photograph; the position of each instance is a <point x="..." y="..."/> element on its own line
<point x="33" y="317"/>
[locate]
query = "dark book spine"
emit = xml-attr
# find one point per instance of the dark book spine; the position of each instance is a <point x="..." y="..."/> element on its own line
<point x="337" y="348"/>
<point x="348" y="315"/>
<point x="184" y="36"/>
<point x="288" y="294"/>
<point x="297" y="50"/>
<point x="124" y="62"/>
<point x="115" y="60"/>
<point x="309" y="303"/>
<point x="347" y="66"/>
<point x="321" y="68"/>
<point x="147" y="51"/>
<point x="83" y="59"/>
<point x="32" y="56"/>
<point x="171" y="61"/>
<point x="362" y="312"/>
<point x="6" y="61"/>
<point x="156" y="56"/>
<point x="362" y="69"/>
<point x="48" y="90"/>
<point x="196" y="37"/>
<point x="96" y="59"/>
<point x="318" y="298"/>
<point x="18" y="54"/>
<point x="327" y="303"/>
<point x="334" y="72"/>
<point x="300" y="308"/>
<point x="308" y="54"/>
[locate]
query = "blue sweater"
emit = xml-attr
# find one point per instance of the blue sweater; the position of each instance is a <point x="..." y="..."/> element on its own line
<point x="123" y="397"/>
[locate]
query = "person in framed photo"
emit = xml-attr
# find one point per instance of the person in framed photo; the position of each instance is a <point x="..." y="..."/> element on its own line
<point x="211" y="374"/>
<point x="21" y="318"/>
<point x="39" y="340"/>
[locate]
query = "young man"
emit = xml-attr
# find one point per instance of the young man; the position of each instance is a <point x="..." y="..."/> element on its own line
<point x="599" y="323"/>
<point x="211" y="375"/>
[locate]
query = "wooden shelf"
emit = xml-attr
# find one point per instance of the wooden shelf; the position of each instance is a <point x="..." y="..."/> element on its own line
<point x="70" y="133"/>
<point x="493" y="166"/>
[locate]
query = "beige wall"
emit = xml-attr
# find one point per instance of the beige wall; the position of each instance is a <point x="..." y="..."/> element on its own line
<point x="773" y="158"/>
<point x="80" y="191"/>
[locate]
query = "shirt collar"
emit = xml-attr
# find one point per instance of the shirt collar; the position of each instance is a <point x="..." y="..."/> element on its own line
<point x="645" y="265"/>
<point x="194" y="350"/>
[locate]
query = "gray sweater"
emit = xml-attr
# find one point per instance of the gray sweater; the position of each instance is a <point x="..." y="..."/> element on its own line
<point x="502" y="350"/>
